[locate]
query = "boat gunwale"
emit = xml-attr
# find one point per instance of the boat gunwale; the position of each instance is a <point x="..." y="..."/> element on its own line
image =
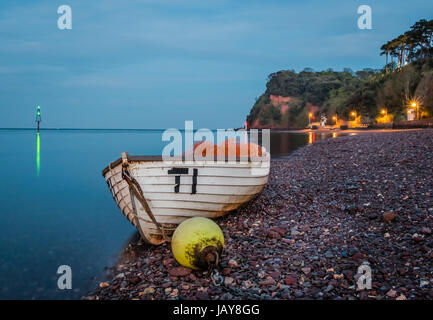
<point x="154" y="158"/>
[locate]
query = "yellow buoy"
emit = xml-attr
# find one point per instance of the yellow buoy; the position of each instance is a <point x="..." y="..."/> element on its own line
<point x="197" y="243"/>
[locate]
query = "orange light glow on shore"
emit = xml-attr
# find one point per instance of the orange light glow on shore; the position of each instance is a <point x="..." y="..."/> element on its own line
<point x="384" y="117"/>
<point x="311" y="137"/>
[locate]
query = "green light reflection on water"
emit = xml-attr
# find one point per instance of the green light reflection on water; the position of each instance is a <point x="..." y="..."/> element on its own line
<point x="38" y="154"/>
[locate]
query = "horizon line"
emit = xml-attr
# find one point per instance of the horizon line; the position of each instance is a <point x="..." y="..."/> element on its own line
<point x="96" y="129"/>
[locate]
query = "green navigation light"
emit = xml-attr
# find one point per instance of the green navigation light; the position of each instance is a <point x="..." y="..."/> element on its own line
<point x="38" y="115"/>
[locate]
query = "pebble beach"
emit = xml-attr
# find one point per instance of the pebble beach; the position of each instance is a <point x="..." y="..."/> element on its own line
<point x="327" y="209"/>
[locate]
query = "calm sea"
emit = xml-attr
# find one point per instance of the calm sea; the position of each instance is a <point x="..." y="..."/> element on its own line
<point x="55" y="208"/>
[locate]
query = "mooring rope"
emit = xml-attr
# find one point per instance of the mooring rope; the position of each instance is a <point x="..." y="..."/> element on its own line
<point x="135" y="188"/>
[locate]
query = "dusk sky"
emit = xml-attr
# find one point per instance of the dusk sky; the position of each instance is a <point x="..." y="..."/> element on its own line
<point x="157" y="63"/>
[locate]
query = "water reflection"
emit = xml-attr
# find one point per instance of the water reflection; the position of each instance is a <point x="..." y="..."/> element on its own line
<point x="38" y="154"/>
<point x="311" y="137"/>
<point x="283" y="143"/>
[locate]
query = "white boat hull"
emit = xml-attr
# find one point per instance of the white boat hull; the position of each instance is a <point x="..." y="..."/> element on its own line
<point x="218" y="188"/>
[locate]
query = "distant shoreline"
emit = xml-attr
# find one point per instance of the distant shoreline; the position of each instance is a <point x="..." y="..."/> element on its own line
<point x="81" y="129"/>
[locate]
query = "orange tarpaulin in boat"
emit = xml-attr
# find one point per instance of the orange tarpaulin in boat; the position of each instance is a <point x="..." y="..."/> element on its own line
<point x="229" y="148"/>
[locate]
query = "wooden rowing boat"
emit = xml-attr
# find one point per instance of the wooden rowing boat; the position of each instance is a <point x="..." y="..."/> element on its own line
<point x="156" y="195"/>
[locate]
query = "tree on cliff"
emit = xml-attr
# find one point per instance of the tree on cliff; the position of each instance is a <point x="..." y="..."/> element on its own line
<point x="414" y="44"/>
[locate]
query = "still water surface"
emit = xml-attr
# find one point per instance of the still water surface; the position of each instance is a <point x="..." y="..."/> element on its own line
<point x="55" y="208"/>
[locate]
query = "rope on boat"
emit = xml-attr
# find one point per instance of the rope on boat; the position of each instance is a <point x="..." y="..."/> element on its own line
<point x="135" y="188"/>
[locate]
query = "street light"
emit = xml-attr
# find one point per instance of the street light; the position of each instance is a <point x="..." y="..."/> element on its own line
<point x="384" y="112"/>
<point x="335" y="119"/>
<point x="415" y="105"/>
<point x="310" y="115"/>
<point x="353" y="114"/>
